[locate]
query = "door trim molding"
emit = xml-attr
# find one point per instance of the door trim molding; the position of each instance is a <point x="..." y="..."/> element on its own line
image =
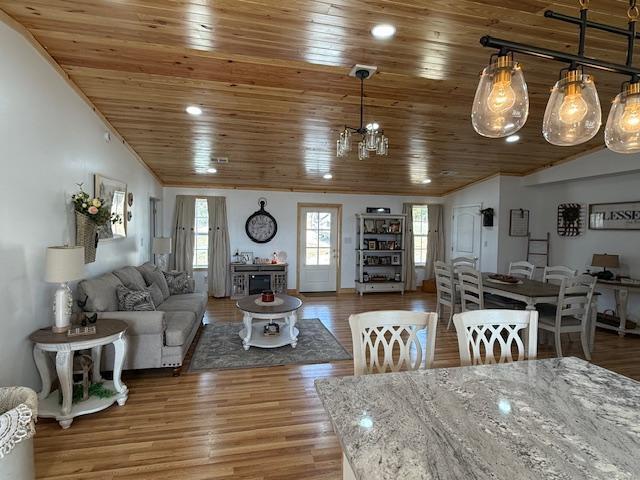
<point x="338" y="206"/>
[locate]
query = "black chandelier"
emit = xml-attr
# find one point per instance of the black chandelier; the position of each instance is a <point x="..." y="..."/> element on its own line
<point x="373" y="139"/>
<point x="573" y="114"/>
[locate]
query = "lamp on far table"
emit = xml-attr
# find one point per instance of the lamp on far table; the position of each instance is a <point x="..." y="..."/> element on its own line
<point x="161" y="247"/>
<point x="605" y="261"/>
<point x="63" y="264"/>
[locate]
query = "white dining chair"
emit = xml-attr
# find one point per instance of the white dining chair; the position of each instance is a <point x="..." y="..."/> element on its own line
<point x="471" y="289"/>
<point x="463" y="262"/>
<point x="489" y="336"/>
<point x="378" y="335"/>
<point x="572" y="313"/>
<point x="557" y="273"/>
<point x="522" y="269"/>
<point x="446" y="292"/>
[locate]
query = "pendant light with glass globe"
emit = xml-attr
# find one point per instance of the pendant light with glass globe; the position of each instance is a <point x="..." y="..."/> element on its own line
<point x="573" y="114"/>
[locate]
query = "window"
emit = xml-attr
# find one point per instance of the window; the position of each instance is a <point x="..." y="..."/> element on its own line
<point x="420" y="234"/>
<point x="318" y="238"/>
<point x="201" y="240"/>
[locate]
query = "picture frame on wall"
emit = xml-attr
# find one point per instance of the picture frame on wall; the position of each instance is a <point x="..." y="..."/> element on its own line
<point x="114" y="194"/>
<point x="614" y="216"/>
<point x="518" y="222"/>
<point x="571" y="219"/>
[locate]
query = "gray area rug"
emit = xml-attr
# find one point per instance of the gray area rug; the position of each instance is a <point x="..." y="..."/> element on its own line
<point x="220" y="347"/>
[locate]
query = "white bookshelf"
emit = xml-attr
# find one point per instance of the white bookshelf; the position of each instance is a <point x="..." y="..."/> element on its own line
<point x="380" y="252"/>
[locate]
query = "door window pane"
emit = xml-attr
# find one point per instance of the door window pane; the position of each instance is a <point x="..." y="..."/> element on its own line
<point x="324" y="238"/>
<point x="311" y="256"/>
<point x="324" y="220"/>
<point x="324" y="256"/>
<point x="318" y="238"/>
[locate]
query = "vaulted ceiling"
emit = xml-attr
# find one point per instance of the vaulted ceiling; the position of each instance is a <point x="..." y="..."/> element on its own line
<point x="272" y="79"/>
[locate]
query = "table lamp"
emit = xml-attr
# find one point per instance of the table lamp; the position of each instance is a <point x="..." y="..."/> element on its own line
<point x="605" y="261"/>
<point x="161" y="247"/>
<point x="63" y="264"/>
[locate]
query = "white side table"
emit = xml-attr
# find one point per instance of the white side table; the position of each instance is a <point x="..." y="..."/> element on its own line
<point x="256" y="316"/>
<point x="107" y="331"/>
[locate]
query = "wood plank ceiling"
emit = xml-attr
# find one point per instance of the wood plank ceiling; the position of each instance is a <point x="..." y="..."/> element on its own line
<point x="271" y="78"/>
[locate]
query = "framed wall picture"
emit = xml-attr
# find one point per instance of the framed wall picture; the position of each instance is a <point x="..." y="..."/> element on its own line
<point x="518" y="222"/>
<point x="571" y="219"/>
<point x="114" y="194"/>
<point x="614" y="216"/>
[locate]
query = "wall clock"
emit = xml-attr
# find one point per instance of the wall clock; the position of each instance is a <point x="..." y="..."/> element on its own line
<point x="261" y="227"/>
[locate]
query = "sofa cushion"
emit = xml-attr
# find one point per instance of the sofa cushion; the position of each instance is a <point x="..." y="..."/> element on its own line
<point x="134" y="300"/>
<point x="179" y="326"/>
<point x="130" y="278"/>
<point x="100" y="293"/>
<point x="178" y="283"/>
<point x="153" y="274"/>
<point x="187" y="302"/>
<point x="156" y="293"/>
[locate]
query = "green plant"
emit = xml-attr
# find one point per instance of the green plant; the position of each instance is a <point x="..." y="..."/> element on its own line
<point x="94" y="208"/>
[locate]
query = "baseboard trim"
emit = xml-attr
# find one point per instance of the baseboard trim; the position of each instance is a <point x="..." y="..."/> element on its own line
<point x="345" y="291"/>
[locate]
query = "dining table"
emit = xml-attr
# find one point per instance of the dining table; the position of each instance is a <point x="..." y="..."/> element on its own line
<point x="559" y="418"/>
<point x="532" y="293"/>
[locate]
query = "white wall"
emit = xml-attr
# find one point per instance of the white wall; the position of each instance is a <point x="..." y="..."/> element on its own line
<point x="283" y="206"/>
<point x="487" y="195"/>
<point x="50" y="140"/>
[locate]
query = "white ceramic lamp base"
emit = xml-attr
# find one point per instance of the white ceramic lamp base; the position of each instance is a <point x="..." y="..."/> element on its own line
<point x="62" y="303"/>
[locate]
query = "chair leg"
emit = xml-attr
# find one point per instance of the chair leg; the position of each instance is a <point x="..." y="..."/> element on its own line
<point x="558" y="344"/>
<point x="585" y="345"/>
<point x="451" y="310"/>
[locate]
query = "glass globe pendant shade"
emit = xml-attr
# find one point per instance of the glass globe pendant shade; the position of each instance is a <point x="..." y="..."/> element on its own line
<point x="371" y="139"/>
<point x="573" y="115"/>
<point x="501" y="104"/>
<point x="622" y="133"/>
<point x="383" y="145"/>
<point x="363" y="152"/>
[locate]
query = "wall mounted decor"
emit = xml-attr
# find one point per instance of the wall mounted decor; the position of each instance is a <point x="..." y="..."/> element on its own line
<point x="261" y="227"/>
<point x="614" y="216"/>
<point x="114" y="194"/>
<point x="571" y="219"/>
<point x="378" y="210"/>
<point x="518" y="222"/>
<point x="487" y="217"/>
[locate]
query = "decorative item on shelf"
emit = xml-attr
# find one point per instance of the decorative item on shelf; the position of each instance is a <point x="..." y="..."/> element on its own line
<point x="261" y="227"/>
<point x="113" y="194"/>
<point x="397" y="277"/>
<point x="63" y="264"/>
<point x="571" y="219"/>
<point x="281" y="256"/>
<point x="378" y="210"/>
<point x="161" y="247"/>
<point x="518" y="222"/>
<point x="89" y="319"/>
<point x="395" y="259"/>
<point x="91" y="214"/>
<point x="372" y="136"/>
<point x="237" y="258"/>
<point x="614" y="216"/>
<point x="394" y="227"/>
<point x="487" y="217"/>
<point x="605" y="261"/>
<point x="83" y="364"/>
<point x="271" y="329"/>
<point x="372" y="244"/>
<point x="247" y="257"/>
<point x="369" y="225"/>
<point x="268" y="296"/>
<point x="365" y="277"/>
<point x="381" y="226"/>
<point x="573" y="114"/>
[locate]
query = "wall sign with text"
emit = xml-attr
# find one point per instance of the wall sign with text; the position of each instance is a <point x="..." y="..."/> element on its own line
<point x="614" y="216"/>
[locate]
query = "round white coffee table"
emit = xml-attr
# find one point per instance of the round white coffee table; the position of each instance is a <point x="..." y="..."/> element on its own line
<point x="258" y="314"/>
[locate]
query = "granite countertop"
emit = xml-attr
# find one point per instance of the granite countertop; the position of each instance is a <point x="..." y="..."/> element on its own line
<point x="561" y="418"/>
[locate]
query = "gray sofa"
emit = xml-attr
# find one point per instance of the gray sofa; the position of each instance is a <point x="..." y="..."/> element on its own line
<point x="156" y="339"/>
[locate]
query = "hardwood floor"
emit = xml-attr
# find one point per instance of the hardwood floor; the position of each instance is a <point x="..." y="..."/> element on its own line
<point x="259" y="423"/>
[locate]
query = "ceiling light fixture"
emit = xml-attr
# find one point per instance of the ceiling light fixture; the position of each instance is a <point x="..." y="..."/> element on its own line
<point x="426" y="181"/>
<point x="372" y="137"/>
<point x="212" y="170"/>
<point x="573" y="114"/>
<point x="512" y="138"/>
<point x="327" y="176"/>
<point x="383" y="31"/>
<point x="193" y="110"/>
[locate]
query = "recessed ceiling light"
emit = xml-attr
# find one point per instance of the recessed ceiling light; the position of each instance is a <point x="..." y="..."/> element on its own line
<point x="512" y="138"/>
<point x="212" y="170"/>
<point x="327" y="176"/>
<point x="426" y="180"/>
<point x="193" y="110"/>
<point x="383" y="31"/>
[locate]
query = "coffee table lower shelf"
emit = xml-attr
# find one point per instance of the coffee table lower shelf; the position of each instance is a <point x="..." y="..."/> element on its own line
<point x="259" y="339"/>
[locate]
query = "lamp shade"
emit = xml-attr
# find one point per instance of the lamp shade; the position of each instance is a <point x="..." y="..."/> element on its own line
<point x="64" y="264"/>
<point x="161" y="245"/>
<point x="605" y="261"/>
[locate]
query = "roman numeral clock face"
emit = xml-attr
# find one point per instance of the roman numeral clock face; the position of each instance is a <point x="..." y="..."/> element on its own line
<point x="261" y="227"/>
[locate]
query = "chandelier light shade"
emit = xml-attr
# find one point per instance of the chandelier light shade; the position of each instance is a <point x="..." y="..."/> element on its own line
<point x="622" y="133"/>
<point x="501" y="104"/>
<point x="573" y="115"/>
<point x="372" y="136"/>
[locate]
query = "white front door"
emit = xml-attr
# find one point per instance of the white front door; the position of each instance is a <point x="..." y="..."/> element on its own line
<point x="466" y="231"/>
<point x="318" y="237"/>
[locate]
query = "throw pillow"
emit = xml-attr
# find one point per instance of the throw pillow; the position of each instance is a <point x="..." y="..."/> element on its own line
<point x="153" y="274"/>
<point x="134" y="300"/>
<point x="156" y="294"/>
<point x="178" y="282"/>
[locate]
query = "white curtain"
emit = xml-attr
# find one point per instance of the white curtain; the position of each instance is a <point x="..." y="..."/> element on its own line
<point x="409" y="260"/>
<point x="183" y="234"/>
<point x="435" y="239"/>
<point x="219" y="252"/>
